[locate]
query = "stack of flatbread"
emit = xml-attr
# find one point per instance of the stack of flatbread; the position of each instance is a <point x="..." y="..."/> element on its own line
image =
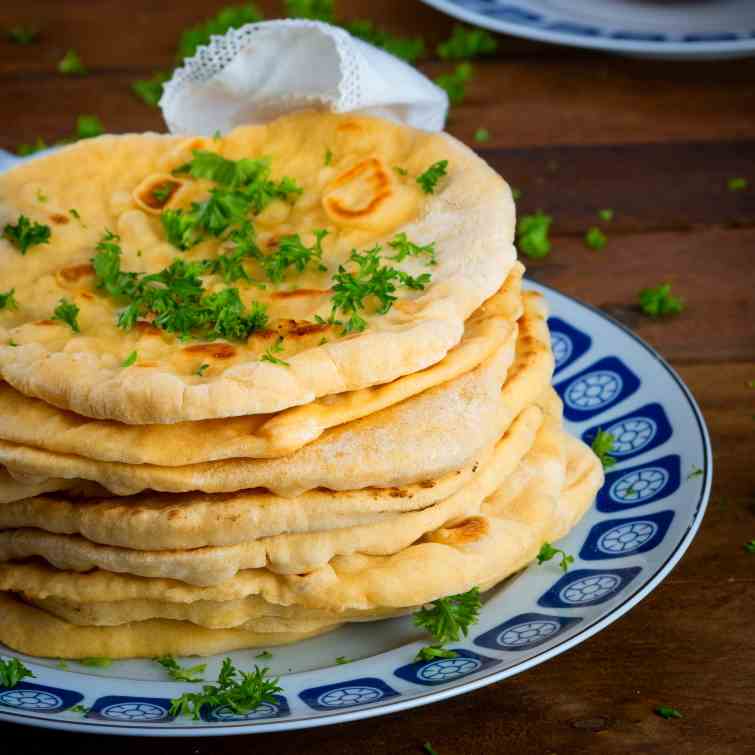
<point x="343" y="457"/>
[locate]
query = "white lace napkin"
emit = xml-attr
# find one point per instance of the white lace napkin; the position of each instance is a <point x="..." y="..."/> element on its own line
<point x="260" y="71"/>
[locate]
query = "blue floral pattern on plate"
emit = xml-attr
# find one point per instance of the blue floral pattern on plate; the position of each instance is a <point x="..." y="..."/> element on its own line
<point x="643" y="520"/>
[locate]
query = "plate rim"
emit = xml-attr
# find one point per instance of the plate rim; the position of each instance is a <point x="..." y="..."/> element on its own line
<point x="692" y="49"/>
<point x="491" y="677"/>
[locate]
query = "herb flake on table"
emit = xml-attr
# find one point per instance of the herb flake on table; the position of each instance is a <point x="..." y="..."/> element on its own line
<point x="314" y="10"/>
<point x="8" y="300"/>
<point x="191" y="674"/>
<point x="428" y="180"/>
<point x="12" y="672"/>
<point x="22" y="35"/>
<point x="150" y="90"/>
<point x="547" y="552"/>
<point x="88" y="126"/>
<point x="666" y="712"/>
<point x="72" y="65"/>
<point x="429" y="749"/>
<point x="482" y="135"/>
<point x="23" y="150"/>
<point x="467" y="42"/>
<point x="595" y="239"/>
<point x="447" y="620"/>
<point x="532" y="234"/>
<point x="659" y="301"/>
<point x="455" y="83"/>
<point x="243" y="692"/>
<point x="26" y="234"/>
<point x="602" y="445"/>
<point x="606" y="215"/>
<point x="737" y="184"/>
<point x="750" y="547"/>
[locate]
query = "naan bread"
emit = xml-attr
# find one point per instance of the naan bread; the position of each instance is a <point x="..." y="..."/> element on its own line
<point x="285" y="553"/>
<point x="31" y="422"/>
<point x="422" y="438"/>
<point x="359" y="198"/>
<point x="548" y="493"/>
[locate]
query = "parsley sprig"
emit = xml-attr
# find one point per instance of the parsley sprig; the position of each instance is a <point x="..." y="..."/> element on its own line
<point x="26" y="234"/>
<point x="547" y="552"/>
<point x="429" y="179"/>
<point x="67" y="312"/>
<point x="8" y="300"/>
<point x="12" y="672"/>
<point x="72" y="65"/>
<point x="455" y="83"/>
<point x="272" y="350"/>
<point x="532" y="235"/>
<point x="465" y="43"/>
<point x="291" y="252"/>
<point x="659" y="301"/>
<point x="243" y="692"/>
<point x="368" y="278"/>
<point x="405" y="248"/>
<point x="447" y="620"/>
<point x="192" y="674"/>
<point x="602" y="445"/>
<point x="316" y="10"/>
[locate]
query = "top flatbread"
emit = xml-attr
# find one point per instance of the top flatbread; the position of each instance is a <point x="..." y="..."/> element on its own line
<point x="358" y="197"/>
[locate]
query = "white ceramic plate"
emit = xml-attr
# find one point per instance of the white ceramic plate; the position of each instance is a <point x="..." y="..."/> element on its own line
<point x="704" y="29"/>
<point x="643" y="520"/>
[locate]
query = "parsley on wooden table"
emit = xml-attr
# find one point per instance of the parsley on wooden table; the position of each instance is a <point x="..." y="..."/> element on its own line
<point x="447" y="620"/>
<point x="23" y="150"/>
<point x="595" y="239"/>
<point x="26" y="234"/>
<point x="750" y="546"/>
<point x="606" y="215"/>
<point x="659" y="301"/>
<point x="150" y="90"/>
<point x="547" y="552"/>
<point x="455" y="83"/>
<point x="8" y="300"/>
<point x="532" y="235"/>
<point x="482" y="135"/>
<point x="315" y="10"/>
<point x="466" y="42"/>
<point x="88" y="126"/>
<point x="666" y="712"/>
<point x="242" y="691"/>
<point x="192" y="674"/>
<point x="22" y="35"/>
<point x="737" y="184"/>
<point x="71" y="64"/>
<point x="12" y="672"/>
<point x="602" y="445"/>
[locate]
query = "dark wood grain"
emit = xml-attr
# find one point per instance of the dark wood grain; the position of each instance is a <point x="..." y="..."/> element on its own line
<point x="576" y="132"/>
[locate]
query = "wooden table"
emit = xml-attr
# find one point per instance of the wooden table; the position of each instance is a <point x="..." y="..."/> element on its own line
<point x="575" y="131"/>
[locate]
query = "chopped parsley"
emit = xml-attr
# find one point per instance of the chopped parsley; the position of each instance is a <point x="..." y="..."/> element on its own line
<point x="659" y="302"/>
<point x="750" y="547"/>
<point x="328" y="157"/>
<point x="405" y="248"/>
<point x="130" y="359"/>
<point x="243" y="692"/>
<point x="465" y="43"/>
<point x="429" y="179"/>
<point x="29" y="149"/>
<point x="291" y="252"/>
<point x="150" y="90"/>
<point x="695" y="472"/>
<point x="88" y="126"/>
<point x="191" y="674"/>
<point x="230" y="264"/>
<point x="400" y="171"/>
<point x="79" y="708"/>
<point x="482" y="135"/>
<point x="342" y="660"/>
<point x="547" y="552"/>
<point x="516" y="194"/>
<point x="22" y="35"/>
<point x="602" y="445"/>
<point x="75" y="215"/>
<point x="406" y="48"/>
<point x="41" y="196"/>
<point x="12" y="672"/>
<point x="162" y="192"/>
<point x="316" y="10"/>
<point x="229" y="17"/>
<point x="96" y="662"/>
<point x="12" y="343"/>
<point x="665" y="712"/>
<point x="201" y="369"/>
<point x="67" y="312"/>
<point x="532" y="235"/>
<point x="737" y="184"/>
<point x="369" y="279"/>
<point x="71" y="64"/>
<point x="176" y="297"/>
<point x="275" y="348"/>
<point x="429" y="749"/>
<point x="8" y="300"/>
<point x="455" y="83"/>
<point x="26" y="234"/>
<point x="447" y="620"/>
<point x="606" y="215"/>
<point x="595" y="239"/>
<point x="264" y="655"/>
